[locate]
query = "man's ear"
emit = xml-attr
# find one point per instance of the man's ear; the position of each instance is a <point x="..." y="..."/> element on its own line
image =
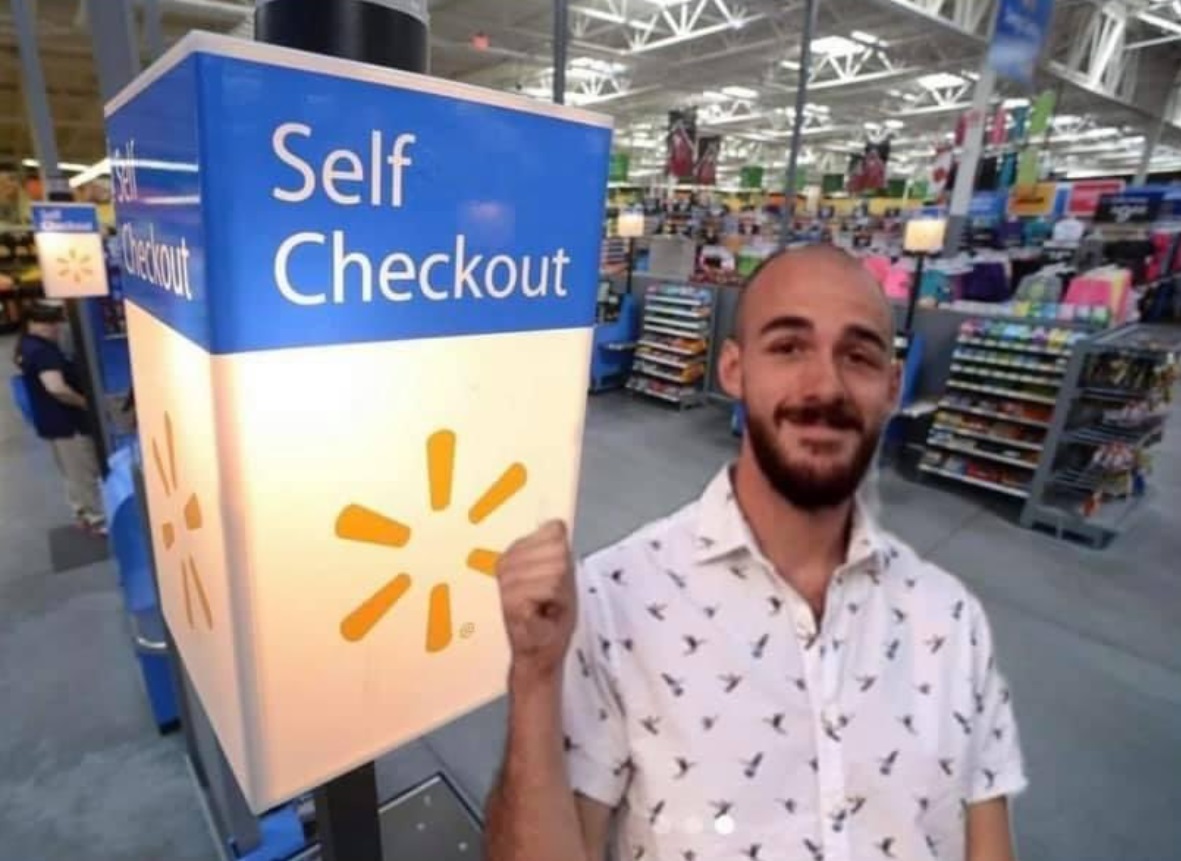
<point x="730" y="369"/>
<point x="896" y="369"/>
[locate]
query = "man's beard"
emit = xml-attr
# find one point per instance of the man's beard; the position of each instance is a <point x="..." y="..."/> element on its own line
<point x="807" y="487"/>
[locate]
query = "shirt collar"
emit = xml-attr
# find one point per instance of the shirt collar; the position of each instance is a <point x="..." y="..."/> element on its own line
<point x="722" y="529"/>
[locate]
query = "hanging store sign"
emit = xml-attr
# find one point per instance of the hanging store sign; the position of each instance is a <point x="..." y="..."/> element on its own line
<point x="709" y="149"/>
<point x="1130" y="207"/>
<point x="336" y="313"/>
<point x="682" y="143"/>
<point x="70" y="250"/>
<point x="1021" y="28"/>
<point x="620" y="167"/>
<point x="1086" y="193"/>
<point x="751" y="176"/>
<point x="1033" y="201"/>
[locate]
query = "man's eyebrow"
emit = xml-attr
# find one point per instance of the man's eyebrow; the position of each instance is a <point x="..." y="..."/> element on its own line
<point x="866" y="333"/>
<point x="787" y="321"/>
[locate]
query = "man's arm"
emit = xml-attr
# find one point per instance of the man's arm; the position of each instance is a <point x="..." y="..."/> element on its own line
<point x="989" y="835"/>
<point x="55" y="383"/>
<point x="533" y="814"/>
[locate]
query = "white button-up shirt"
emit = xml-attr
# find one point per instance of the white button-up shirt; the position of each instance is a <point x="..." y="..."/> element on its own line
<point x="703" y="699"/>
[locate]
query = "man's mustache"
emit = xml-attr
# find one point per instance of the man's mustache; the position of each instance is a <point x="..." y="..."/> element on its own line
<point x="839" y="415"/>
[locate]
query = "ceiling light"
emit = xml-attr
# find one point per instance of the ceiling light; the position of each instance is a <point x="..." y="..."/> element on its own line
<point x="940" y="81"/>
<point x="604" y="67"/>
<point x="836" y="46"/>
<point x="740" y="92"/>
<point x="790" y="64"/>
<point x="99" y="168"/>
<point x="62" y="165"/>
<point x="894" y="125"/>
<point x="666" y="3"/>
<point x="868" y="38"/>
<point x="1008" y="104"/>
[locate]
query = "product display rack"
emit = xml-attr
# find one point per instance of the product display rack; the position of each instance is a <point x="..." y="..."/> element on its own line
<point x="991" y="425"/>
<point x="673" y="350"/>
<point x="1097" y="458"/>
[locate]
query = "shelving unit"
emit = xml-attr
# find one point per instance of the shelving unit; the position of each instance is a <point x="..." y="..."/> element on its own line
<point x="990" y="427"/>
<point x="1097" y="461"/>
<point x="673" y="351"/>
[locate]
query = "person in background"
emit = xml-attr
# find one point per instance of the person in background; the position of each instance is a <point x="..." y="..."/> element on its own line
<point x="765" y="674"/>
<point x="59" y="411"/>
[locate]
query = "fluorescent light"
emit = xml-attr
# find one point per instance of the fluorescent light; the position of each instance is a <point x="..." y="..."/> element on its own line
<point x="62" y="165"/>
<point x="666" y="3"/>
<point x="868" y="38"/>
<point x="895" y="124"/>
<point x="1015" y="103"/>
<point x="940" y="81"/>
<point x="790" y="64"/>
<point x="99" y="168"/>
<point x="593" y="64"/>
<point x="740" y="92"/>
<point x="836" y="46"/>
<point x="598" y="14"/>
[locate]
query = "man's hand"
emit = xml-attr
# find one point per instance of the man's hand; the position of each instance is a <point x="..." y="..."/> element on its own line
<point x="539" y="600"/>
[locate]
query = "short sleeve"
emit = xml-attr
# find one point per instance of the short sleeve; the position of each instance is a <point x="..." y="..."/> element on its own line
<point x="592" y="713"/>
<point x="997" y="766"/>
<point x="41" y="359"/>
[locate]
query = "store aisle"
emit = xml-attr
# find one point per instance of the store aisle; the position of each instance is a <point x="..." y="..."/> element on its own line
<point x="1089" y="640"/>
<point x="83" y="773"/>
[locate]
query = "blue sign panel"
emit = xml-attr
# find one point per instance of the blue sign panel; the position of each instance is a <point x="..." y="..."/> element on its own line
<point x="1021" y="28"/>
<point x="271" y="217"/>
<point x="1132" y="206"/>
<point x="987" y="204"/>
<point x="65" y="218"/>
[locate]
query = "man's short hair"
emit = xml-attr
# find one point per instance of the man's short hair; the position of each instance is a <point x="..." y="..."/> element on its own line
<point x="838" y="254"/>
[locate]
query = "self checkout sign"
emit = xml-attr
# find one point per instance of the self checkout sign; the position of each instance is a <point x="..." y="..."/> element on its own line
<point x="1130" y="207"/>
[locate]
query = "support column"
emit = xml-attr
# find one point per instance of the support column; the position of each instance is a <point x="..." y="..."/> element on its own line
<point x="561" y="48"/>
<point x="392" y="33"/>
<point x="965" y="178"/>
<point x="811" y="9"/>
<point x="116" y="51"/>
<point x="1153" y="139"/>
<point x="36" y="98"/>
<point x="153" y="29"/>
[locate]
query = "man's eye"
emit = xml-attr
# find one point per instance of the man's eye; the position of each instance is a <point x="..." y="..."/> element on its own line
<point x="785" y="348"/>
<point x="863" y="358"/>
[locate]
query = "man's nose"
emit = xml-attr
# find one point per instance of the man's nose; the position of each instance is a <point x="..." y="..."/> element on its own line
<point x="821" y="379"/>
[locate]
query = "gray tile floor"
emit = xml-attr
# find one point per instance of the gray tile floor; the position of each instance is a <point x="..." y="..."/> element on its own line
<point x="1091" y="642"/>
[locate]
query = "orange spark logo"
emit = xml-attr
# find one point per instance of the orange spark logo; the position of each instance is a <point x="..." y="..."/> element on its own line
<point x="75" y="267"/>
<point x="358" y="523"/>
<point x="191" y="517"/>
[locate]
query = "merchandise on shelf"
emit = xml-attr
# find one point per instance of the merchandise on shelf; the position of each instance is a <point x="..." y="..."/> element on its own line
<point x="673" y="349"/>
<point x="990" y="426"/>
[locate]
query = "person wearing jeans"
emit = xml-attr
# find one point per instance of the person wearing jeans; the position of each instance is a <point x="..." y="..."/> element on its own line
<point x="59" y="412"/>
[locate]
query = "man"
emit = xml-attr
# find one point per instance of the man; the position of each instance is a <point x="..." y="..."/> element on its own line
<point x="59" y="412"/>
<point x="764" y="675"/>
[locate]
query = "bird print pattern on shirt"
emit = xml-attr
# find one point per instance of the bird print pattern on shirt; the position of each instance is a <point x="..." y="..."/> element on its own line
<point x="725" y="681"/>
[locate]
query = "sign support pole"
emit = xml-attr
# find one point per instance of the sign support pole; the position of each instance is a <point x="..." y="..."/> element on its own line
<point x="965" y="178"/>
<point x="811" y="8"/>
<point x="391" y="33"/>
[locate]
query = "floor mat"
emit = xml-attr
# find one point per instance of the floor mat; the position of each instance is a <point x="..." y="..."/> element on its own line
<point x="70" y="548"/>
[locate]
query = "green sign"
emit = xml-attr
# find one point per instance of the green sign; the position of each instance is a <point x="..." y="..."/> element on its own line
<point x="896" y="188"/>
<point x="1027" y="167"/>
<point x="1043" y="109"/>
<point x="831" y="183"/>
<point x="619" y="167"/>
<point x="919" y="189"/>
<point x="751" y="176"/>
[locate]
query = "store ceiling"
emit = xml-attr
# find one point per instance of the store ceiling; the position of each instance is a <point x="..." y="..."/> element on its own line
<point x="898" y="67"/>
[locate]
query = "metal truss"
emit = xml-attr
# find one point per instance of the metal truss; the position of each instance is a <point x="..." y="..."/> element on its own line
<point x="648" y="25"/>
<point x="1097" y="52"/>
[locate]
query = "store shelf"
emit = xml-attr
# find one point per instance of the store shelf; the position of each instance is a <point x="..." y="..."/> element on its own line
<point x="1101" y="434"/>
<point x="673" y="300"/>
<point x="1112" y="394"/>
<point x="664" y="330"/>
<point x="976" y="482"/>
<point x="665" y="360"/>
<point x="1050" y="370"/>
<point x="677" y="312"/>
<point x="1003" y="393"/>
<point x="663" y="375"/>
<point x="975" y="411"/>
<point x="1015" y="346"/>
<point x="1005" y="375"/>
<point x="685" y="396"/>
<point x="971" y="434"/>
<point x="984" y="455"/>
<point x="698" y="327"/>
<point x="668" y="348"/>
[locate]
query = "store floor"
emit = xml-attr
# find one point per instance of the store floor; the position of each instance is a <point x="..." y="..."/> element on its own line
<point x="1091" y="642"/>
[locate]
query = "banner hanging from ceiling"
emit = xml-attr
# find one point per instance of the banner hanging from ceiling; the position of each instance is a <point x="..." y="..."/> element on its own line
<point x="682" y="143"/>
<point x="1021" y="28"/>
<point x="709" y="149"/>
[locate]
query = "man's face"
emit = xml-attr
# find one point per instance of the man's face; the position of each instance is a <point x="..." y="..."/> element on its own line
<point x="813" y="365"/>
